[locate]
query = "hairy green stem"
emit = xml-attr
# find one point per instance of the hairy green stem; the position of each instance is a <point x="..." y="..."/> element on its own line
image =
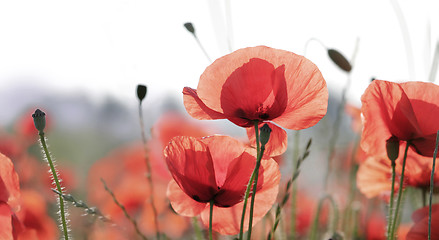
<point x="58" y="186"/>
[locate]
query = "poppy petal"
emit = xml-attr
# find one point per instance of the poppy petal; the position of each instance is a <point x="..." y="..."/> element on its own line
<point x="423" y="98"/>
<point x="224" y="150"/>
<point x="182" y="203"/>
<point x="191" y="166"/>
<point x="254" y="91"/>
<point x="278" y="142"/>
<point x="9" y="183"/>
<point x="238" y="175"/>
<point x="196" y="108"/>
<point x="227" y="220"/>
<point x="387" y="112"/>
<point x="306" y="89"/>
<point x="373" y="177"/>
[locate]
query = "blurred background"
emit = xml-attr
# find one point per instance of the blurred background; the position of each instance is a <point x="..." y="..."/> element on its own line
<point x="81" y="61"/>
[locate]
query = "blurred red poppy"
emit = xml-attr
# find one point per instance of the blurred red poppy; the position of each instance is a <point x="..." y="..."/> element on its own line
<point x="405" y="111"/>
<point x="419" y="231"/>
<point x="217" y="168"/>
<point x="260" y="84"/>
<point x="124" y="172"/>
<point x="9" y="198"/>
<point x="374" y="175"/>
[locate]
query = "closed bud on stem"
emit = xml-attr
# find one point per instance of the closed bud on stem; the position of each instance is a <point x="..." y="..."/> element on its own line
<point x="392" y="147"/>
<point x="141" y="92"/>
<point x="39" y="120"/>
<point x="265" y="132"/>
<point x="339" y="60"/>
<point x="189" y="27"/>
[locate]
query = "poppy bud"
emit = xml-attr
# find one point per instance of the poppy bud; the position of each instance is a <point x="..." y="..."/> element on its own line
<point x="39" y="120"/>
<point x="392" y="147"/>
<point x="190" y="27"/>
<point x="339" y="60"/>
<point x="265" y="134"/>
<point x="141" y="91"/>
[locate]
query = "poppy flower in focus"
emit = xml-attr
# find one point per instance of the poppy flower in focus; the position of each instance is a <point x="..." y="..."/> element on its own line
<point x="401" y="111"/>
<point x="217" y="169"/>
<point x="374" y="175"/>
<point x="419" y="231"/>
<point x="260" y="84"/>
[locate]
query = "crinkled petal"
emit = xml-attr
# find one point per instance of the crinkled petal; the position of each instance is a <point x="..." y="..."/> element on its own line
<point x="387" y="112"/>
<point x="223" y="150"/>
<point x="235" y="185"/>
<point x="307" y="95"/>
<point x="182" y="203"/>
<point x="196" y="108"/>
<point x="191" y="166"/>
<point x="278" y="142"/>
<point x="373" y="177"/>
<point x="254" y="91"/>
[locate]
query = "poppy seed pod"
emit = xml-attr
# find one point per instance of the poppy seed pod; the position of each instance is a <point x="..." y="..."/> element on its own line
<point x="339" y="60"/>
<point x="141" y="91"/>
<point x="265" y="134"/>
<point x="392" y="147"/>
<point x="39" y="120"/>
<point x="189" y="27"/>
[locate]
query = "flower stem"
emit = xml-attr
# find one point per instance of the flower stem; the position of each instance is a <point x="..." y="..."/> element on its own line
<point x="58" y="185"/>
<point x="210" y="218"/>
<point x="149" y="173"/>
<point x="391" y="202"/>
<point x="332" y="226"/>
<point x="124" y="210"/>
<point x="432" y="185"/>
<point x="398" y="201"/>
<point x="249" y="185"/>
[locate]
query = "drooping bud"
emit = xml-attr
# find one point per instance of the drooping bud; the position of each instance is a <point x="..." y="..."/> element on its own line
<point x="265" y="131"/>
<point x="141" y="92"/>
<point x="392" y="147"/>
<point x="189" y="27"/>
<point x="339" y="60"/>
<point x="39" y="120"/>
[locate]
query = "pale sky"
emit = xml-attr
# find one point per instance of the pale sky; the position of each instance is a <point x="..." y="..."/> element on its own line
<point x="107" y="47"/>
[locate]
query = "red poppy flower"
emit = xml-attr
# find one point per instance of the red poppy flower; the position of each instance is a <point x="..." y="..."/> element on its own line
<point x="217" y="168"/>
<point x="260" y="84"/>
<point x="419" y="231"/>
<point x="374" y="175"/>
<point x="405" y="111"/>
